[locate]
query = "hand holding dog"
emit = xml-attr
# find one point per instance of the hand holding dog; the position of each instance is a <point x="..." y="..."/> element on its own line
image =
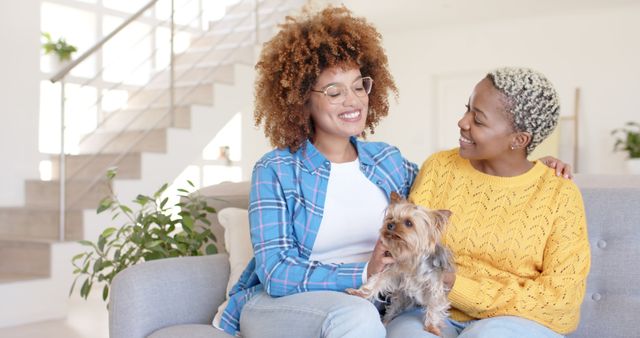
<point x="379" y="259"/>
<point x="449" y="278"/>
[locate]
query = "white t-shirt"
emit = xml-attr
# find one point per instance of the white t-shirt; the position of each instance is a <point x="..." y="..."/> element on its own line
<point x="353" y="214"/>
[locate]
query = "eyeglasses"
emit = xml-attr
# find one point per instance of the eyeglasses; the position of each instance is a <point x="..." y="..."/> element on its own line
<point x="337" y="92"/>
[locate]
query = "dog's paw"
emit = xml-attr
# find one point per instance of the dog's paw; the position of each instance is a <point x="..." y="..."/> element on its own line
<point x="433" y="329"/>
<point x="357" y="292"/>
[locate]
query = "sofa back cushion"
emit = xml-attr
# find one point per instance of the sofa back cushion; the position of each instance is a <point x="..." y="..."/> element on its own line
<point x="612" y="300"/>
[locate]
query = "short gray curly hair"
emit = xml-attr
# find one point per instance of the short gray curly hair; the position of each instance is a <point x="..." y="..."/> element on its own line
<point x="531" y="100"/>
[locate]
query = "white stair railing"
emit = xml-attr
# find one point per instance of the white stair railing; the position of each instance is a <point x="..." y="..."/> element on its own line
<point x="174" y="28"/>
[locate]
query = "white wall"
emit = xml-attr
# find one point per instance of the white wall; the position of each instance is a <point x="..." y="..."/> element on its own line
<point x="596" y="50"/>
<point x="19" y="97"/>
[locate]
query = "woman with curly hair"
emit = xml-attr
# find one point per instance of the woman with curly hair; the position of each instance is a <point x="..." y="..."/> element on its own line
<point x="321" y="82"/>
<point x="318" y="200"/>
<point x="518" y="232"/>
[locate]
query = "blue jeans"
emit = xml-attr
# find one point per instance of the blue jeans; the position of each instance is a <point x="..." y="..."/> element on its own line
<point x="326" y="314"/>
<point x="409" y="325"/>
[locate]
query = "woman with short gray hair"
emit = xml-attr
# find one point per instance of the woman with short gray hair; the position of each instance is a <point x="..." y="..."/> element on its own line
<point x="518" y="231"/>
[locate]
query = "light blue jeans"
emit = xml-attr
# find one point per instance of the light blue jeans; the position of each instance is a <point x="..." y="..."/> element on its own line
<point x="329" y="314"/>
<point x="409" y="324"/>
<point x="326" y="314"/>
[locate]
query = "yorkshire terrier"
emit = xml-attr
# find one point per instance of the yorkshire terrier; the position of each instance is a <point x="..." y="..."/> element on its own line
<point x="412" y="236"/>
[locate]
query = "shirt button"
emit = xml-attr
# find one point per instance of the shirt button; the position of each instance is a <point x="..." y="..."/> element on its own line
<point x="596" y="296"/>
<point x="602" y="244"/>
<point x="379" y="182"/>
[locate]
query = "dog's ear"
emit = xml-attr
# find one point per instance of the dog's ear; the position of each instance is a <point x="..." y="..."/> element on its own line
<point x="442" y="217"/>
<point x="395" y="197"/>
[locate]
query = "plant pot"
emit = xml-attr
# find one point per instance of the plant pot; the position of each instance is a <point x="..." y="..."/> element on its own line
<point x="55" y="65"/>
<point x="633" y="166"/>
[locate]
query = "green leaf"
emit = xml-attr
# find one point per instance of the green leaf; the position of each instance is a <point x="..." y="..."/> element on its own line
<point x="164" y="201"/>
<point x="191" y="183"/>
<point x="153" y="256"/>
<point x="105" y="204"/>
<point x="85" y="289"/>
<point x="187" y="222"/>
<point x="126" y="209"/>
<point x="76" y="257"/>
<point x="111" y="173"/>
<point x="152" y="244"/>
<point x="161" y="190"/>
<point x="101" y="242"/>
<point x="105" y="292"/>
<point x="97" y="266"/>
<point x="211" y="249"/>
<point x="142" y="199"/>
<point x="88" y="243"/>
<point x="108" y="231"/>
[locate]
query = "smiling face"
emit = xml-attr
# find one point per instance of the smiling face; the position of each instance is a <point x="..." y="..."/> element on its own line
<point x="337" y="120"/>
<point x="486" y="132"/>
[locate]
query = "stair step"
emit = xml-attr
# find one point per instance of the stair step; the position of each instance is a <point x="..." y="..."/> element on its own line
<point x="87" y="167"/>
<point x="239" y="18"/>
<point x="39" y="224"/>
<point x="191" y="75"/>
<point x="242" y="55"/>
<point x="25" y="259"/>
<point x="141" y="119"/>
<point x="264" y="6"/>
<point x="238" y="36"/>
<point x="6" y="278"/>
<point x="183" y="95"/>
<point x="79" y="194"/>
<point x="155" y="141"/>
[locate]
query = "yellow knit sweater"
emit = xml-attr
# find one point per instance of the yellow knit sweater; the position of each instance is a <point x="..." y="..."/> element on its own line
<point x="520" y="243"/>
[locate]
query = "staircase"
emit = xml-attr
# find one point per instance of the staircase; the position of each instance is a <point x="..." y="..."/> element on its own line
<point x="35" y="269"/>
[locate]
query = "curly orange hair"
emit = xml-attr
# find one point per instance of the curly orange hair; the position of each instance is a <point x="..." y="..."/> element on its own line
<point x="291" y="62"/>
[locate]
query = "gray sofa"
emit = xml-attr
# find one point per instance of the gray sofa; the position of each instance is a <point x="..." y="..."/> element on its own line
<point x="178" y="297"/>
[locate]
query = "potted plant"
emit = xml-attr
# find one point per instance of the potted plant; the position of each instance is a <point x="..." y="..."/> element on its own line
<point x="59" y="51"/>
<point x="148" y="233"/>
<point x="628" y="139"/>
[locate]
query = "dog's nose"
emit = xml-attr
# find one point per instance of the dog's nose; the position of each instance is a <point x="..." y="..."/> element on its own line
<point x="391" y="226"/>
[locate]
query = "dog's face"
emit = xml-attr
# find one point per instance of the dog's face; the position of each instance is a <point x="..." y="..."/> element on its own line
<point x="411" y="230"/>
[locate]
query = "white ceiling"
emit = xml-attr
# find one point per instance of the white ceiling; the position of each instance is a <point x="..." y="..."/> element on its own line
<point x="419" y="14"/>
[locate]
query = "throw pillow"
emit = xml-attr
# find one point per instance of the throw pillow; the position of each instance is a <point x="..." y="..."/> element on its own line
<point x="237" y="242"/>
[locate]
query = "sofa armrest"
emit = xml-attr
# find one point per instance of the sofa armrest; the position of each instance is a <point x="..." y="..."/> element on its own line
<point x="166" y="292"/>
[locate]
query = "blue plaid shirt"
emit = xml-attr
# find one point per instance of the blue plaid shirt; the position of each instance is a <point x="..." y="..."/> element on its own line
<point x="286" y="204"/>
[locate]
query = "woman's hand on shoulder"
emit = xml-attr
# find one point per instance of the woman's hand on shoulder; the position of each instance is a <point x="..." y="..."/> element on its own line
<point x="562" y="169"/>
<point x="380" y="258"/>
<point x="449" y="278"/>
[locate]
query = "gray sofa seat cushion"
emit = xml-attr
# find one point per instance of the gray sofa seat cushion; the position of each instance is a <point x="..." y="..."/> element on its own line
<point x="190" y="331"/>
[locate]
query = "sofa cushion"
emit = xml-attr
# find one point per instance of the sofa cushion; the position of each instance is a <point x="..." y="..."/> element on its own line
<point x="237" y="242"/>
<point x="190" y="331"/>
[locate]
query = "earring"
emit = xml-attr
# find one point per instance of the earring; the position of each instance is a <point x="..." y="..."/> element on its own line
<point x="513" y="147"/>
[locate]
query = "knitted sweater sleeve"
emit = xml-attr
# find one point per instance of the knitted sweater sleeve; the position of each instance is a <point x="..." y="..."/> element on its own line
<point x="555" y="296"/>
